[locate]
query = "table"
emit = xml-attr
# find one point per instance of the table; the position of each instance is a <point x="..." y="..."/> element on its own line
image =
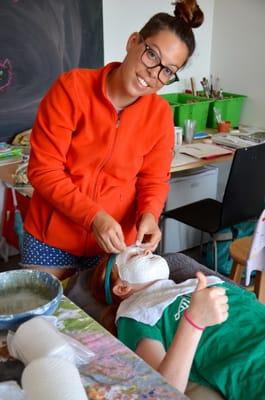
<point x="201" y="163"/>
<point x="6" y="171"/>
<point x="115" y="373"/>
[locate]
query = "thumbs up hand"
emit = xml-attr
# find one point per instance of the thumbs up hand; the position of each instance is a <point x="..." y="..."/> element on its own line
<point x="202" y="281"/>
<point x="209" y="306"/>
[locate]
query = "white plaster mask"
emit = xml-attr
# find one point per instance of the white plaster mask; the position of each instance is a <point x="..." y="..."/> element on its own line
<point x="134" y="266"/>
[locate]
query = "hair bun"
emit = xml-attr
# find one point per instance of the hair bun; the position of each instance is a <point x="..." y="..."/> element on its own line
<point x="190" y="12"/>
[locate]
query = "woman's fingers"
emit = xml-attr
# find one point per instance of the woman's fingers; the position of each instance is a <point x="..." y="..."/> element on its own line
<point x="108" y="233"/>
<point x="148" y="232"/>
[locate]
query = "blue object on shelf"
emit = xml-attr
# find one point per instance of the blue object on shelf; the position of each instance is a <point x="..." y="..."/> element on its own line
<point x="201" y="135"/>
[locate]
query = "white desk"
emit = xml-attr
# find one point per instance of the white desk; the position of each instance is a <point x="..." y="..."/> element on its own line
<point x="6" y="171"/>
<point x="201" y="163"/>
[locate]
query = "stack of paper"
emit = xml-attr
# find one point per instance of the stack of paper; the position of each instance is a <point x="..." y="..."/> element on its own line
<point x="233" y="141"/>
<point x="9" y="154"/>
<point x="204" y="151"/>
<point x="182" y="159"/>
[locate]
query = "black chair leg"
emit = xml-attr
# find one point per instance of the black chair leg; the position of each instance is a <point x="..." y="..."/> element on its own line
<point x="215" y="255"/>
<point x="201" y="245"/>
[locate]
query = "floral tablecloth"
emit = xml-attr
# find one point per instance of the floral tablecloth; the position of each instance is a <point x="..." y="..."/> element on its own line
<point x="114" y="373"/>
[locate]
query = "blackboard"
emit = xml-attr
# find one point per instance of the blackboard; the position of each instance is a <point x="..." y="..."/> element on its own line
<point x="39" y="39"/>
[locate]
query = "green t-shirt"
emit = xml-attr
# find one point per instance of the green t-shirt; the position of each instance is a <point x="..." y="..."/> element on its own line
<point x="230" y="356"/>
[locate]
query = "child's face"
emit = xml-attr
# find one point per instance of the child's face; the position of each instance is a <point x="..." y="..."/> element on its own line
<point x="137" y="267"/>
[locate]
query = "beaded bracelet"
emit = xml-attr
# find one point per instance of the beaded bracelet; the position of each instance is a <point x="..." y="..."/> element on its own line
<point x="187" y="318"/>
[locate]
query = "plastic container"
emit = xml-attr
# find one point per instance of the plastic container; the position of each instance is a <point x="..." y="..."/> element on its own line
<point x="186" y="106"/>
<point x="230" y="108"/>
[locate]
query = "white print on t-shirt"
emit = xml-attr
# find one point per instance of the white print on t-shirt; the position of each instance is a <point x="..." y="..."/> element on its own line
<point x="183" y="304"/>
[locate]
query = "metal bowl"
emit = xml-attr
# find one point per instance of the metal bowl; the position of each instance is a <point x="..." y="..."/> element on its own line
<point x="25" y="294"/>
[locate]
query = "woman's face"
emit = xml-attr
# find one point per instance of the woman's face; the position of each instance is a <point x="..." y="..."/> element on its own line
<point x="139" y="80"/>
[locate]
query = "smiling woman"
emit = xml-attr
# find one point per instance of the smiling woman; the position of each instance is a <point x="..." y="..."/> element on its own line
<point x="88" y="198"/>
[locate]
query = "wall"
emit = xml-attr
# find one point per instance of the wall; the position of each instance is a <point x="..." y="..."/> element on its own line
<point x="122" y="17"/>
<point x="229" y="44"/>
<point x="238" y="55"/>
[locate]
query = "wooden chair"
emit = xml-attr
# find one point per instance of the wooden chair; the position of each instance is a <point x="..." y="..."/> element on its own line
<point x="239" y="251"/>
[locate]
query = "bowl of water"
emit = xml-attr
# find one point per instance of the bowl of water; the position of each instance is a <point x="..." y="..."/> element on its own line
<point x="25" y="294"/>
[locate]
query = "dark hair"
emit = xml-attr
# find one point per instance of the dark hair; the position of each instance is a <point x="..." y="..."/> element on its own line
<point x="187" y="15"/>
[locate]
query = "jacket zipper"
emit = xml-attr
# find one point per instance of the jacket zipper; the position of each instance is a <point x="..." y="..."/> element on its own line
<point x="94" y="193"/>
<point x="118" y="121"/>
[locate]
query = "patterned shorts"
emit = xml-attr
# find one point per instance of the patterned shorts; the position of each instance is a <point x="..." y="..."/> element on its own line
<point x="36" y="252"/>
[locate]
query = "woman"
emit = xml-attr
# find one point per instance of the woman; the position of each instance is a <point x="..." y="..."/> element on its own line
<point x="101" y="149"/>
<point x="183" y="330"/>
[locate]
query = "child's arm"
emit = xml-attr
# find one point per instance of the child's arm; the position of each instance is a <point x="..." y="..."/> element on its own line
<point x="174" y="365"/>
<point x="208" y="307"/>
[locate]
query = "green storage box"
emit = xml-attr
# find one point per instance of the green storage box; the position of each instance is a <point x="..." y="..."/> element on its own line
<point x="186" y="106"/>
<point x="230" y="108"/>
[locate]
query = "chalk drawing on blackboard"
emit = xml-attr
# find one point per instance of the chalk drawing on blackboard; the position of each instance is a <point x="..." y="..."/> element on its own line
<point x="6" y="74"/>
<point x="38" y="41"/>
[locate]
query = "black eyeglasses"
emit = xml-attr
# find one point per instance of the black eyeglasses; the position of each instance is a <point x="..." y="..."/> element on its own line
<point x="151" y="59"/>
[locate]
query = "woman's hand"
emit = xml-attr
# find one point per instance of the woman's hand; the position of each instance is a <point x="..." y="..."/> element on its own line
<point x="209" y="306"/>
<point x="108" y="233"/>
<point x="148" y="233"/>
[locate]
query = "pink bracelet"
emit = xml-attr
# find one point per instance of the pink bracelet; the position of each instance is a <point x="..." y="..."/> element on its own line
<point x="187" y="318"/>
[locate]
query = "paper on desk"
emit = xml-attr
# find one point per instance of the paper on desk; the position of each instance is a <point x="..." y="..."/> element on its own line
<point x="8" y="152"/>
<point x="182" y="159"/>
<point x="9" y="160"/>
<point x="249" y="130"/>
<point x="204" y="151"/>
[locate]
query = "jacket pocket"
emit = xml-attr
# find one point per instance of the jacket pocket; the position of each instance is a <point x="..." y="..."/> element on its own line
<point x="64" y="234"/>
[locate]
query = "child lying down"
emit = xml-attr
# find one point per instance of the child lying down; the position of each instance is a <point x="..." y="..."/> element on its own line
<point x="204" y="329"/>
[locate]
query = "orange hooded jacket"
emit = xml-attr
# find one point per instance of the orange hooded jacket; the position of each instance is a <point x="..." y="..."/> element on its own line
<point x="86" y="157"/>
